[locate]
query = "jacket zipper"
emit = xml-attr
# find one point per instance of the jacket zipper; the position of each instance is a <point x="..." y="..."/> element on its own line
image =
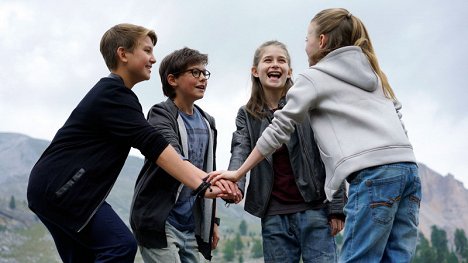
<point x="95" y="209"/>
<point x="269" y="159"/>
<point x="270" y="189"/>
<point x="301" y="135"/>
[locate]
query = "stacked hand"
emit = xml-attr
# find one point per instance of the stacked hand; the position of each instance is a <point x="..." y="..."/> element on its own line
<point x="232" y="176"/>
<point x="224" y="189"/>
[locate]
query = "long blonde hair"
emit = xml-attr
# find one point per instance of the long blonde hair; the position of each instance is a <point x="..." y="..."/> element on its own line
<point x="257" y="101"/>
<point x="344" y="29"/>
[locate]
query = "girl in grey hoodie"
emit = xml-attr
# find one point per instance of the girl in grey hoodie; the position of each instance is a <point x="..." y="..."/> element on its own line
<point x="357" y="124"/>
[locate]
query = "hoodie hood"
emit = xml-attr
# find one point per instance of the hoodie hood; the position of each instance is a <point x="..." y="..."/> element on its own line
<point x="350" y="65"/>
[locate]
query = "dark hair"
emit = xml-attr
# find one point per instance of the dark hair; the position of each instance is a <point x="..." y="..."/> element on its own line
<point x="178" y="61"/>
<point x="257" y="101"/>
<point x="122" y="35"/>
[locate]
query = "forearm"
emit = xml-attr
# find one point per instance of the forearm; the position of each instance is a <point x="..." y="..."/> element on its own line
<point x="183" y="171"/>
<point x="253" y="159"/>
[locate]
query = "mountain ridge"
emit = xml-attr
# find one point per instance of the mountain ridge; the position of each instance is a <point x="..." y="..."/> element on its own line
<point x="443" y="200"/>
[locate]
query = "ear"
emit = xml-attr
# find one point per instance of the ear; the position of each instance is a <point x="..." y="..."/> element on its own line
<point x="290" y="73"/>
<point x="254" y="71"/>
<point x="122" y="54"/>
<point x="323" y="40"/>
<point x="171" y="79"/>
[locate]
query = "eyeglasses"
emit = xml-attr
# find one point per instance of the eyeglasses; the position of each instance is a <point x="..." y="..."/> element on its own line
<point x="195" y="73"/>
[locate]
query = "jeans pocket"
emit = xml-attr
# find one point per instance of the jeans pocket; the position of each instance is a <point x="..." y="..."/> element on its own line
<point x="384" y="195"/>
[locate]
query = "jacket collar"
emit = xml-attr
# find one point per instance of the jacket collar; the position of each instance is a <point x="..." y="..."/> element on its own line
<point x="172" y="108"/>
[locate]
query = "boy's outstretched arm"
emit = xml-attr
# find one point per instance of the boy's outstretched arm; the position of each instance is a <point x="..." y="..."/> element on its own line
<point x="183" y="171"/>
<point x="188" y="174"/>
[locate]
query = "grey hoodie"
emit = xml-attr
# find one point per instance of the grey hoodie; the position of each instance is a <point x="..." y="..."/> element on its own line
<point x="355" y="125"/>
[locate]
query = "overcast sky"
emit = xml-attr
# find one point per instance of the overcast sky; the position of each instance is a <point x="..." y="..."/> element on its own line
<point x="50" y="59"/>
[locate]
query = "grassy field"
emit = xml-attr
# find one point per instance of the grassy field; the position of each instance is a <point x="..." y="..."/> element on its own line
<point x="35" y="245"/>
<point x="32" y="244"/>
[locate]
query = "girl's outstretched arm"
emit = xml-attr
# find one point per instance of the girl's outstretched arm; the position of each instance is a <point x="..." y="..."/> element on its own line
<point x="254" y="158"/>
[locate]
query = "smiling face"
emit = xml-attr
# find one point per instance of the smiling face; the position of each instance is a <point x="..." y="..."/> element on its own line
<point x="273" y="68"/>
<point x="189" y="88"/>
<point x="140" y="61"/>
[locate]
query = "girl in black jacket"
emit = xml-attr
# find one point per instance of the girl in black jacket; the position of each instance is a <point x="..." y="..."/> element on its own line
<point x="286" y="189"/>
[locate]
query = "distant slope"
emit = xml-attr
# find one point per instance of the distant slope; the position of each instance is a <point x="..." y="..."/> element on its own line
<point x="444" y="202"/>
<point x="444" y="198"/>
<point x="19" y="153"/>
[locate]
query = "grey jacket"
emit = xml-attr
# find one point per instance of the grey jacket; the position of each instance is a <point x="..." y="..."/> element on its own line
<point x="156" y="192"/>
<point x="308" y="169"/>
<point x="355" y="125"/>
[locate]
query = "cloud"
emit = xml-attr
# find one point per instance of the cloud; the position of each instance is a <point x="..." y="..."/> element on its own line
<point x="438" y="138"/>
<point x="50" y="59"/>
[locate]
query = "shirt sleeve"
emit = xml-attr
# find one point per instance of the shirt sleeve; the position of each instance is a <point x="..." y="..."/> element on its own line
<point x="301" y="97"/>
<point x="121" y="115"/>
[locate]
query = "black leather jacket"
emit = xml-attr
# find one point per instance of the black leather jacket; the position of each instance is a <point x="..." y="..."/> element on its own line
<point x="305" y="161"/>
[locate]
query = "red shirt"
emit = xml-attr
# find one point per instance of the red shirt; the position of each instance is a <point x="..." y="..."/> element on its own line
<point x="284" y="184"/>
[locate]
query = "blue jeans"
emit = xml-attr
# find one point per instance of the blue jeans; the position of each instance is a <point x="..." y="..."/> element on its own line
<point x="181" y="247"/>
<point x="307" y="233"/>
<point x="382" y="214"/>
<point x="104" y="239"/>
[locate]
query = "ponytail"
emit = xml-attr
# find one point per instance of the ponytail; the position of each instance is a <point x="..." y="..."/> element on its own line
<point x="344" y="29"/>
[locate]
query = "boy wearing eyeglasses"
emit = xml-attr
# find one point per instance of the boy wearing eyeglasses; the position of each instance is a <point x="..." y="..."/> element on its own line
<point x="169" y="224"/>
<point x="69" y="184"/>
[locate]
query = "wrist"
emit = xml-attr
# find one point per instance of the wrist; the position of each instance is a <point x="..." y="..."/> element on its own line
<point x="238" y="175"/>
<point x="217" y="221"/>
<point x="201" y="189"/>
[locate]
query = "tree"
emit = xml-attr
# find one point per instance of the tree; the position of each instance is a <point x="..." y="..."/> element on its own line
<point x="238" y="245"/>
<point x="12" y="203"/>
<point x="257" y="249"/>
<point x="439" y="243"/>
<point x="339" y="239"/>
<point x="424" y="252"/>
<point x="451" y="258"/>
<point x="461" y="244"/>
<point x="228" y="251"/>
<point x="243" y="228"/>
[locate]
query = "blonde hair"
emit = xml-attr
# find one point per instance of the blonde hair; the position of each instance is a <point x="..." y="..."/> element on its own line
<point x="257" y="101"/>
<point x="122" y="35"/>
<point x="344" y="29"/>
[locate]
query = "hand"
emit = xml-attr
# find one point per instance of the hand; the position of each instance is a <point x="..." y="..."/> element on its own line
<point x="237" y="197"/>
<point x="230" y="189"/>
<point x="336" y="225"/>
<point x="214" y="241"/>
<point x="214" y="192"/>
<point x="228" y="175"/>
<point x="225" y="186"/>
